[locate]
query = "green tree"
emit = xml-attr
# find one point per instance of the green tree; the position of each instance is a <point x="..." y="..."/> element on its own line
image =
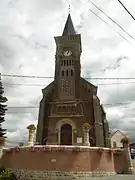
<point x="3" y="109"/>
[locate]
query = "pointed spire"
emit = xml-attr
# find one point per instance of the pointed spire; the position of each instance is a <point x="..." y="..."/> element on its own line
<point x="69" y="27"/>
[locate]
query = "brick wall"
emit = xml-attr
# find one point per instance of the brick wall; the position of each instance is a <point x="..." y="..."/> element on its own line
<point x="64" y="164"/>
<point x="85" y="160"/>
<point x="82" y="163"/>
<point x="120" y="162"/>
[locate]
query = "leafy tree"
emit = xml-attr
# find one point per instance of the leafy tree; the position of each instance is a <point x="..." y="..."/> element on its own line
<point x="3" y="109"/>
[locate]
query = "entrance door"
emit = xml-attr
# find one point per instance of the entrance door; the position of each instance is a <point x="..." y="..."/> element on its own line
<point x="66" y="134"/>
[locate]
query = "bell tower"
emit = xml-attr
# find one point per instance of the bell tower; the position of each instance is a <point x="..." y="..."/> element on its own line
<point x="67" y="62"/>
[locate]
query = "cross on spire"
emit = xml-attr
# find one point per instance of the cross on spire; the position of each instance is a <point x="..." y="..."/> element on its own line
<point x="69" y="8"/>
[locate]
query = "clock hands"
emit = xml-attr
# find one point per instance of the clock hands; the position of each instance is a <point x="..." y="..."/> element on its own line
<point x="67" y="53"/>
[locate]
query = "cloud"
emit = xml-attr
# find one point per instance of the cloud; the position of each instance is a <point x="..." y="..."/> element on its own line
<point x="122" y="118"/>
<point x="121" y="95"/>
<point x="27" y="47"/>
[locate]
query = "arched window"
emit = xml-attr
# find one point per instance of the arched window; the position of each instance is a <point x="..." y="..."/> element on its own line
<point x="62" y="62"/>
<point x="91" y="140"/>
<point x="62" y="73"/>
<point x="71" y="72"/>
<point x="58" y="110"/>
<point x="72" y="62"/>
<point x="67" y="72"/>
<point x="64" y="109"/>
<point x="67" y="62"/>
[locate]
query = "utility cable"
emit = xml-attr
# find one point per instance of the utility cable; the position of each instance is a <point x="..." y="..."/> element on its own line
<point x="23" y="76"/>
<point x="49" y="77"/>
<point x="108" y="25"/>
<point x="112" y="20"/>
<point x="43" y="85"/>
<point x="126" y="10"/>
<point x="33" y="107"/>
<point x="120" y="104"/>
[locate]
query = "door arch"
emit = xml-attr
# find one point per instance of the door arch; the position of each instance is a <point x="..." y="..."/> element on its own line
<point x="59" y="124"/>
<point x="91" y="140"/>
<point x="66" y="134"/>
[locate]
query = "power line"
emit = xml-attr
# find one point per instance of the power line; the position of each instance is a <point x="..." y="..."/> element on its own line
<point x="111" y="19"/>
<point x="23" y="107"/>
<point x="120" y="104"/>
<point x="36" y="107"/>
<point x="126" y="9"/>
<point x="23" y="76"/>
<point x="108" y="25"/>
<point x="31" y="85"/>
<point x="43" y="85"/>
<point x="20" y="112"/>
<point x="49" y="77"/>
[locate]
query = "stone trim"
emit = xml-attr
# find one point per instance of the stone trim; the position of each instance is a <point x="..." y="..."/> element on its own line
<point x="51" y="148"/>
<point x="55" y="175"/>
<point x="60" y="124"/>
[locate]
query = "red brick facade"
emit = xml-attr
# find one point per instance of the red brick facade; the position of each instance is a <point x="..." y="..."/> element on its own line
<point x="70" y="99"/>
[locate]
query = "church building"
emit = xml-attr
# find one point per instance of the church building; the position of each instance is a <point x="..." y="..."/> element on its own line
<point x="70" y="102"/>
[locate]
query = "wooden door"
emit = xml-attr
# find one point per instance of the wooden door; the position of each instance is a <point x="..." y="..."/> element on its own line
<point x="66" y="134"/>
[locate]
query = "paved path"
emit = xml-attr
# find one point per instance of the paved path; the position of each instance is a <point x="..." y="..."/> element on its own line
<point x="117" y="177"/>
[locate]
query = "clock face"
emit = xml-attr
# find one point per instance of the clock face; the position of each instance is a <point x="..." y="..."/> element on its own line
<point x="67" y="53"/>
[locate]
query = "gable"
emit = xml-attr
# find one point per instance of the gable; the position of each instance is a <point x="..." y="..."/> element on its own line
<point x="117" y="133"/>
<point x="116" y="138"/>
<point x="48" y="88"/>
<point x="88" y="85"/>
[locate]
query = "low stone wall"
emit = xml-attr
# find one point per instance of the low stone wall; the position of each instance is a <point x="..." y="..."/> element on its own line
<point x="57" y="175"/>
<point x="49" y="162"/>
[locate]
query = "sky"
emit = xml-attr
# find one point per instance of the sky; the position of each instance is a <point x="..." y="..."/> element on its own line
<point x="27" y="47"/>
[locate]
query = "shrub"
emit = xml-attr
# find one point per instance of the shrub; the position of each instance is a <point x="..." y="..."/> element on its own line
<point x="7" y="174"/>
<point x="2" y="169"/>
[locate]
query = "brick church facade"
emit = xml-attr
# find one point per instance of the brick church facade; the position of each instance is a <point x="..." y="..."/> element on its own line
<point x="70" y="101"/>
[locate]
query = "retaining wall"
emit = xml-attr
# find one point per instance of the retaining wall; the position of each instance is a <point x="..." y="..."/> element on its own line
<point x="53" y="162"/>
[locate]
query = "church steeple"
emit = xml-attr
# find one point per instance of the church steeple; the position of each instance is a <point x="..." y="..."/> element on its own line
<point x="69" y="27"/>
<point x="67" y="64"/>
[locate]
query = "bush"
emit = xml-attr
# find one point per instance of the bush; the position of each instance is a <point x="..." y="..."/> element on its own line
<point x="2" y="169"/>
<point x="7" y="174"/>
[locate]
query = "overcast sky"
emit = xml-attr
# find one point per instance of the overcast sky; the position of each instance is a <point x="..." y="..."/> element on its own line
<point x="27" y="30"/>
